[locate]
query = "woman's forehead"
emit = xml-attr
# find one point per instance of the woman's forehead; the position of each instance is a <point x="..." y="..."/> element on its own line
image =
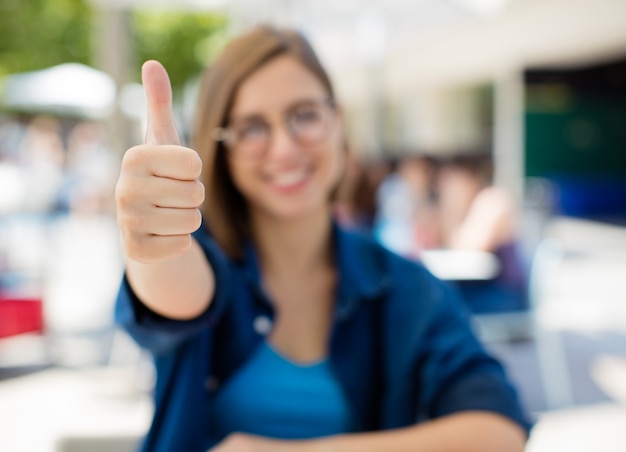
<point x="275" y="86"/>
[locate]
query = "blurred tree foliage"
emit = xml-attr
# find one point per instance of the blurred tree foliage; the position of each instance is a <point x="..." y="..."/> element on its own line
<point x="35" y="34"/>
<point x="183" y="42"/>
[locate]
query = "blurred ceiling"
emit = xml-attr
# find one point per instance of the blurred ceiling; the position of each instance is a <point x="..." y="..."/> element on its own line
<point x="342" y="30"/>
<point x="434" y="41"/>
<point x="527" y="34"/>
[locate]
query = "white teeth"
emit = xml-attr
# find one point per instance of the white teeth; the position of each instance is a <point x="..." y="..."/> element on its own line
<point x="290" y="178"/>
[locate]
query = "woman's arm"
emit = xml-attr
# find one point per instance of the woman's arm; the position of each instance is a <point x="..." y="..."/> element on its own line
<point x="489" y="223"/>
<point x="179" y="288"/>
<point x="157" y="198"/>
<point x="471" y="431"/>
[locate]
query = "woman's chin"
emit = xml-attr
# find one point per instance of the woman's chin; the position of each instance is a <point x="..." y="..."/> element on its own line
<point x="289" y="211"/>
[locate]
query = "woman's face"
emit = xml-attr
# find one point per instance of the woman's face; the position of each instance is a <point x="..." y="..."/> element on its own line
<point x="287" y="155"/>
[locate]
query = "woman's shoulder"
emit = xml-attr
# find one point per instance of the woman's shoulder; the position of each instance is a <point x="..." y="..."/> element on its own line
<point x="407" y="279"/>
<point x="415" y="304"/>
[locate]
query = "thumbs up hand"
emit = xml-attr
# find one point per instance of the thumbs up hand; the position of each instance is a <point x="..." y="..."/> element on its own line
<point x="158" y="193"/>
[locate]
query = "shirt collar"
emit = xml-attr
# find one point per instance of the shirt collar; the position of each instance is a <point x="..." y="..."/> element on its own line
<point x="361" y="275"/>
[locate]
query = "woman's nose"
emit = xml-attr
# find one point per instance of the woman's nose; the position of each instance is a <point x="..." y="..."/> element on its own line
<point x="282" y="144"/>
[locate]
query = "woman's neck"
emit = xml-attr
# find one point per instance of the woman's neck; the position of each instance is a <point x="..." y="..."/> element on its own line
<point x="294" y="246"/>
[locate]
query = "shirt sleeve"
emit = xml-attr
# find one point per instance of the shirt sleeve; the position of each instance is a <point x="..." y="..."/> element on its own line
<point x="457" y="373"/>
<point x="159" y="334"/>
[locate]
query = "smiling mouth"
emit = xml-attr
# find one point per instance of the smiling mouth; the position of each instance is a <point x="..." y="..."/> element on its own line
<point x="290" y="178"/>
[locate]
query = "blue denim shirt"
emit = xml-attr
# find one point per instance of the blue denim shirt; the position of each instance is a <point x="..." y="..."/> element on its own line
<point x="401" y="345"/>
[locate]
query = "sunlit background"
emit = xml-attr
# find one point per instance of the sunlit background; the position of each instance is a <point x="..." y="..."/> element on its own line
<point x="540" y="85"/>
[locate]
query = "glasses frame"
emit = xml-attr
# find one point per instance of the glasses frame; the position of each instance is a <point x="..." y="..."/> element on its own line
<point x="226" y="134"/>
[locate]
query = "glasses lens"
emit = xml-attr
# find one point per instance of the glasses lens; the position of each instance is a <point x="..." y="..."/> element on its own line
<point x="309" y="123"/>
<point x="250" y="137"/>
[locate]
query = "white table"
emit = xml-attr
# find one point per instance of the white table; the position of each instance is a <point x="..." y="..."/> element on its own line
<point x="461" y="264"/>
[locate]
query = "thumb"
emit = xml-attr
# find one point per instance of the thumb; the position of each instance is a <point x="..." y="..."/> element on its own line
<point x="156" y="83"/>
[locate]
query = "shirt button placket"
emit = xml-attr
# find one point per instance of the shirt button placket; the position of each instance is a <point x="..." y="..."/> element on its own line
<point x="262" y="325"/>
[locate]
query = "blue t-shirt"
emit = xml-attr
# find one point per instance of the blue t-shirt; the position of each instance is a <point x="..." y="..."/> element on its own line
<point x="275" y="397"/>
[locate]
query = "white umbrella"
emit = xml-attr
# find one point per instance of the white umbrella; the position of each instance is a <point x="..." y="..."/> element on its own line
<point x="69" y="89"/>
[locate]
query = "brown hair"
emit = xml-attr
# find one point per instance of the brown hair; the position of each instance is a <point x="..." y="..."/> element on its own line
<point x="225" y="209"/>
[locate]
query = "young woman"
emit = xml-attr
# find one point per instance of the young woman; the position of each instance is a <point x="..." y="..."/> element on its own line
<point x="272" y="328"/>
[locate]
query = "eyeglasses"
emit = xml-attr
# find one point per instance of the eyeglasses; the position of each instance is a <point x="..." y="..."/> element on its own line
<point x="308" y="123"/>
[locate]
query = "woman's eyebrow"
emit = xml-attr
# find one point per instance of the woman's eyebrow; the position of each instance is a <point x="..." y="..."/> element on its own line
<point x="246" y="118"/>
<point x="303" y="101"/>
<point x="257" y="115"/>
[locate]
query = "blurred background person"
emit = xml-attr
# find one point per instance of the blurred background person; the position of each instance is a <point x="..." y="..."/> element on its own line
<point x="419" y="171"/>
<point x="475" y="215"/>
<point x="406" y="219"/>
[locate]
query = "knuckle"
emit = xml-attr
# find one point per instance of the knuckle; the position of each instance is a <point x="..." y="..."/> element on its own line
<point x="134" y="191"/>
<point x="131" y="226"/>
<point x="123" y="197"/>
<point x="198" y="222"/>
<point x="194" y="164"/>
<point x="136" y="248"/>
<point x="197" y="193"/>
<point x="134" y="156"/>
<point x="194" y="220"/>
<point x="135" y="222"/>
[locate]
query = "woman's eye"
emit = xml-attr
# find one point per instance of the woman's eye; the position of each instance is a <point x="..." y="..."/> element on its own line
<point x="252" y="131"/>
<point x="306" y="115"/>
